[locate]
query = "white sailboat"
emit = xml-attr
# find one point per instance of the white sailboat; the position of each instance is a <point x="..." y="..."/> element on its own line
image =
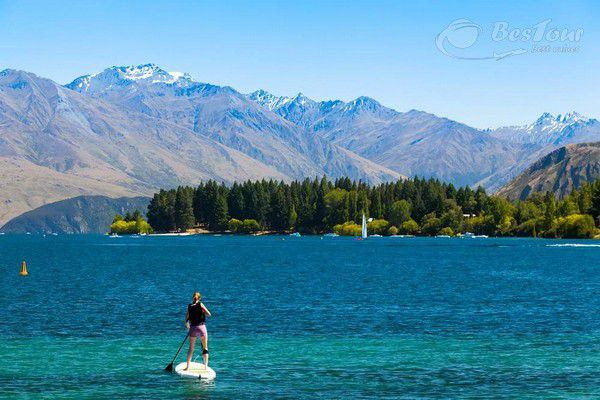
<point x="363" y="233"/>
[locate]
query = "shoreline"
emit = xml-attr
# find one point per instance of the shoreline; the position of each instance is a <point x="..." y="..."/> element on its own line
<point x="274" y="233"/>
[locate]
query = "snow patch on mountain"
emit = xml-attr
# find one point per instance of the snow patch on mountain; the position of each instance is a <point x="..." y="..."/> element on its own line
<point x="268" y="100"/>
<point x="550" y="129"/>
<point x="305" y="111"/>
<point x="126" y="75"/>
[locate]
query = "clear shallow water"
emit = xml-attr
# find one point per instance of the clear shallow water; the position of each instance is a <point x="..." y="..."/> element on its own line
<point x="100" y="317"/>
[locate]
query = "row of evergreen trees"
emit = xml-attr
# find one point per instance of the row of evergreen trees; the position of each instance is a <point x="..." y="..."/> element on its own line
<point x="407" y="206"/>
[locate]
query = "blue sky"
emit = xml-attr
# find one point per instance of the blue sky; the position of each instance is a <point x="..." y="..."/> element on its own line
<point x="324" y="49"/>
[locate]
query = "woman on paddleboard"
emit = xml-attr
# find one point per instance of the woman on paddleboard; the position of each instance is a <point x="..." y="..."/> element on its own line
<point x="195" y="319"/>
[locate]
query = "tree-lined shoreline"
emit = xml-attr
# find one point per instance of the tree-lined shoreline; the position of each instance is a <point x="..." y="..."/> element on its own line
<point x="412" y="206"/>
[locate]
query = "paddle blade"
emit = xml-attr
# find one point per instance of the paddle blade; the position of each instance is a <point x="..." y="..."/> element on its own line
<point x="169" y="367"/>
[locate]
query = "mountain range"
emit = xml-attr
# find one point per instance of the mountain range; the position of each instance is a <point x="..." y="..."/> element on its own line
<point x="423" y="144"/>
<point x="127" y="131"/>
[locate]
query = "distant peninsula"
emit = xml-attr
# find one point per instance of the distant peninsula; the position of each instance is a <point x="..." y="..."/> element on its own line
<point x="81" y="214"/>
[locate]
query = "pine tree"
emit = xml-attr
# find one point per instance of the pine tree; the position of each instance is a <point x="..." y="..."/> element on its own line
<point x="376" y="208"/>
<point x="184" y="211"/>
<point x="199" y="203"/>
<point x="594" y="207"/>
<point x="279" y="212"/>
<point x="352" y="204"/>
<point x="362" y="206"/>
<point x="549" y="210"/>
<point x="480" y="198"/>
<point x="219" y="216"/>
<point x="235" y="202"/>
<point x="292" y="218"/>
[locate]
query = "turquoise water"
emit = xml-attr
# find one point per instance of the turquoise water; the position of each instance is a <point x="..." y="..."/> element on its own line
<point x="312" y="318"/>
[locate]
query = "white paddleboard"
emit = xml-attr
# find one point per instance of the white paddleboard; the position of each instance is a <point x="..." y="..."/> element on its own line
<point x="196" y="370"/>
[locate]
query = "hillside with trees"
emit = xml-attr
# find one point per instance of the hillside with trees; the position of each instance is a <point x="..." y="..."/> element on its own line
<point x="411" y="206"/>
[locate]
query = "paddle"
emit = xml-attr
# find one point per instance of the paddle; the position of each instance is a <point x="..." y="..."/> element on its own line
<point x="170" y="366"/>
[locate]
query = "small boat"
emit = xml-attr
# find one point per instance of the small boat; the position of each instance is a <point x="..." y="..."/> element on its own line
<point x="442" y="236"/>
<point x="331" y="235"/>
<point x="295" y="234"/>
<point x="114" y="235"/>
<point x="376" y="235"/>
<point x="468" y="235"/>
<point x="402" y="236"/>
<point x="1" y="233"/>
<point x="480" y="236"/>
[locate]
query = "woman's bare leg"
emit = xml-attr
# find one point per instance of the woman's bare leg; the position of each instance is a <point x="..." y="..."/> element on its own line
<point x="204" y="340"/>
<point x="190" y="352"/>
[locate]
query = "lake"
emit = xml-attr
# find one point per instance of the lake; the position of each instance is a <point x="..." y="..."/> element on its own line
<point x="305" y="317"/>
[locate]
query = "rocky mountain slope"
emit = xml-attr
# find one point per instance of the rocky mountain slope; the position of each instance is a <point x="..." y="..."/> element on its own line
<point x="81" y="214"/>
<point x="56" y="142"/>
<point x="419" y="143"/>
<point x="413" y="143"/>
<point x="558" y="172"/>
<point x="228" y="117"/>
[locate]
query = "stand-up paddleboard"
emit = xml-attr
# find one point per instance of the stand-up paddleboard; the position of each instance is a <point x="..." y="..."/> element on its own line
<point x="196" y="370"/>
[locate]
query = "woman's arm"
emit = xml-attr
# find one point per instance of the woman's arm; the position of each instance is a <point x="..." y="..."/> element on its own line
<point x="205" y="310"/>
<point x="187" y="318"/>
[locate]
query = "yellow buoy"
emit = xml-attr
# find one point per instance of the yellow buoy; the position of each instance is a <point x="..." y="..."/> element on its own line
<point x="24" y="269"/>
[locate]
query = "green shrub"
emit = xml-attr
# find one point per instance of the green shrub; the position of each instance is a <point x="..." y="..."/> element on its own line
<point x="250" y="226"/>
<point x="446" y="231"/>
<point x="123" y="227"/>
<point x="430" y="225"/>
<point x="531" y="227"/>
<point x="235" y="225"/>
<point x="409" y="227"/>
<point x="575" y="226"/>
<point x="378" y="226"/>
<point x="348" y="228"/>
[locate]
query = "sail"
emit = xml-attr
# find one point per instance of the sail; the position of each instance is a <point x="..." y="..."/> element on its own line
<point x="364" y="227"/>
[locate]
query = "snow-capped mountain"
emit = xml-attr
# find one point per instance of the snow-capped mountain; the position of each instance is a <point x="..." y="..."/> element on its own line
<point x="268" y="100"/>
<point x="228" y="117"/>
<point x="326" y="118"/>
<point x="540" y="138"/>
<point x="414" y="142"/>
<point x="124" y="76"/>
<point x="556" y="130"/>
<point x="419" y="143"/>
<point x="56" y="143"/>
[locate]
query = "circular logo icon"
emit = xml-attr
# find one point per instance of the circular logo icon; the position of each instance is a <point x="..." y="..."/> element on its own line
<point x="460" y="34"/>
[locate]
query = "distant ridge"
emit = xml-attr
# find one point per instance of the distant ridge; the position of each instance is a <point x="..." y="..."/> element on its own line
<point x="82" y="214"/>
<point x="558" y="172"/>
